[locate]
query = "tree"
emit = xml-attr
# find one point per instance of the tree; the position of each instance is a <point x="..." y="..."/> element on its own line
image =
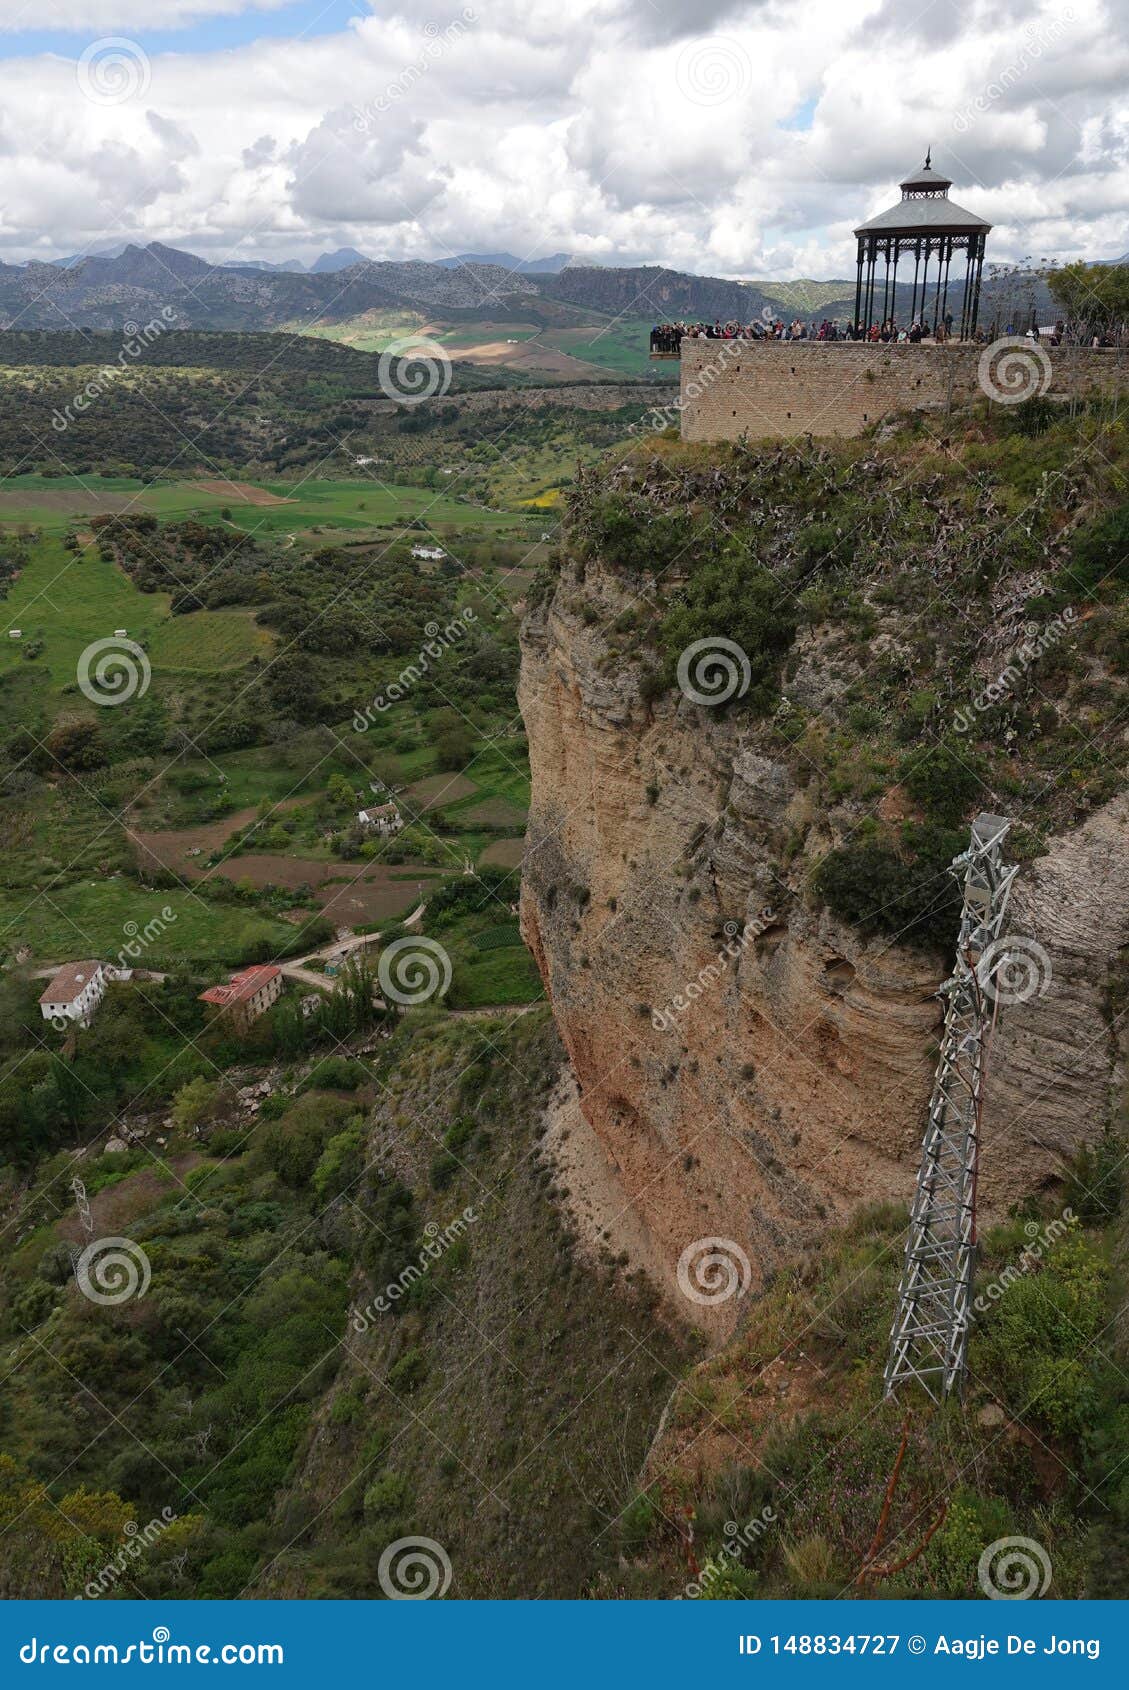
<point x="194" y="1104"/>
<point x="1094" y="296"/>
<point x="76" y="744"/>
<point x="454" y="749"/>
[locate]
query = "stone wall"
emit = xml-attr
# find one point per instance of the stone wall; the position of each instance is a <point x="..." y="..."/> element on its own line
<point x="780" y="389"/>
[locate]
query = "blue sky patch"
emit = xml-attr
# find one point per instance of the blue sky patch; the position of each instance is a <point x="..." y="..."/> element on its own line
<point x="302" y="18"/>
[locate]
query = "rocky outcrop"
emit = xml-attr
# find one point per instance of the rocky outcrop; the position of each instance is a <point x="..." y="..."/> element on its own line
<point x="753" y="1068"/>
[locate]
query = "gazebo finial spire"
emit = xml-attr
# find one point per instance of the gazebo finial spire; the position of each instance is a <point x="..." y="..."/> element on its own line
<point x="929" y="156"/>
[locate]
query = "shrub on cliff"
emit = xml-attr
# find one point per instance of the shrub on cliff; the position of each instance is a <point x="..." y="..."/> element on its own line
<point x="734" y="598"/>
<point x="908" y="894"/>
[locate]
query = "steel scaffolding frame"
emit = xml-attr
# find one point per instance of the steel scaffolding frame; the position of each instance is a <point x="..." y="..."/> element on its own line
<point x="929" y="1337"/>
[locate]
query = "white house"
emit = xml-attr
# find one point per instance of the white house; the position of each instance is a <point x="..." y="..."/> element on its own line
<point x="432" y="553"/>
<point x="383" y="818"/>
<point x="75" y="993"/>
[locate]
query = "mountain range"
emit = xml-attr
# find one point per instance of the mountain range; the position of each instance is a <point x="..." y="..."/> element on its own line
<point x="112" y="289"/>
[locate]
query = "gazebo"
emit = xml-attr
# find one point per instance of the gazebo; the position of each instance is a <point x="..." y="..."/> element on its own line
<point x="928" y="228"/>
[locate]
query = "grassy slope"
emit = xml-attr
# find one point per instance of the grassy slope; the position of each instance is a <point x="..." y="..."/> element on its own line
<point x="503" y="1410"/>
<point x="540" y="1381"/>
<point x="790" y="1416"/>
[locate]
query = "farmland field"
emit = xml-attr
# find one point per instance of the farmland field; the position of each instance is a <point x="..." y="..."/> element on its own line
<point x="68" y="600"/>
<point x="54" y="503"/>
<point x="578" y="344"/>
<point x="93" y="917"/>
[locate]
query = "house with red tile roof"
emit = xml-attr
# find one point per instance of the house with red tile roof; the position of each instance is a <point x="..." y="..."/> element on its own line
<point x="248" y="994"/>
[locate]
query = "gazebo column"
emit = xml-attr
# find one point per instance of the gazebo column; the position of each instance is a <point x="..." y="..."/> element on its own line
<point x="948" y="261"/>
<point x="858" y="289"/>
<point x="925" y="282"/>
<point x="916" y="268"/>
<point x="872" y="259"/>
<point x="886" y="284"/>
<point x="979" y="269"/>
<point x="894" y="284"/>
<point x="940" y="272"/>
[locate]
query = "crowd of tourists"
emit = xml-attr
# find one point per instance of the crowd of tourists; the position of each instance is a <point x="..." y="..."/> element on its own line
<point x="666" y="338"/>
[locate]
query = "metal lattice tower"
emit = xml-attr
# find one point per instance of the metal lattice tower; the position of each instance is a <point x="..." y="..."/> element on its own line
<point x="929" y="1336"/>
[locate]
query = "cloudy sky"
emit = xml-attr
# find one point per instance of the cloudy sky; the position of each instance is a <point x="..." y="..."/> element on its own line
<point x="738" y="139"/>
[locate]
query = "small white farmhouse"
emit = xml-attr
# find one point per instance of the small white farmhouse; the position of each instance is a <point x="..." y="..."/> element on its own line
<point x="382" y="818"/>
<point x="75" y="993"/>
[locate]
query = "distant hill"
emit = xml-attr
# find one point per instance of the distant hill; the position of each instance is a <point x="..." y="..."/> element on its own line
<point x="330" y="262"/>
<point x="110" y="289"/>
<point x="506" y="261"/>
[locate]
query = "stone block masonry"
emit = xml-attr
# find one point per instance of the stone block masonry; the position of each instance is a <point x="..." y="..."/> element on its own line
<point x="782" y="389"/>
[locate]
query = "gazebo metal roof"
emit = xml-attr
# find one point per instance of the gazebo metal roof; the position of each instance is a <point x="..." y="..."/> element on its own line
<point x="935" y="215"/>
<point x="925" y="206"/>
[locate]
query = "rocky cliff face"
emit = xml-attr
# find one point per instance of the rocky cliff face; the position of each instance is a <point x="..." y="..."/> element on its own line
<point x="749" y="1066"/>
